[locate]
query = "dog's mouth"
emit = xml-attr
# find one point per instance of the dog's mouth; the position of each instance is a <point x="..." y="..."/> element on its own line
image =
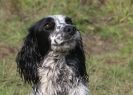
<point x="62" y="42"/>
<point x="63" y="45"/>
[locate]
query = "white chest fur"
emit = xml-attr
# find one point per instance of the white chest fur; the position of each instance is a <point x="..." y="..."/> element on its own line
<point x="58" y="78"/>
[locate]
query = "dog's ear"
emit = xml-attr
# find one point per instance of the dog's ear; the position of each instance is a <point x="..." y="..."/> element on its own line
<point x="31" y="53"/>
<point x="81" y="58"/>
<point x="42" y="36"/>
<point x="78" y="54"/>
<point x="28" y="59"/>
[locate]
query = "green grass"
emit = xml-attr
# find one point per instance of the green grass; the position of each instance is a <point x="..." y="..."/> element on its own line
<point x="11" y="83"/>
<point x="111" y="75"/>
<point x="110" y="72"/>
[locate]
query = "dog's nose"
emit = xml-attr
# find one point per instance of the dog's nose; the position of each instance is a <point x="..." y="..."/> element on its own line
<point x="70" y="29"/>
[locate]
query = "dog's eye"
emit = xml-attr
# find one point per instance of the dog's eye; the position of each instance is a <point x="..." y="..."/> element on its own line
<point x="49" y="26"/>
<point x="68" y="20"/>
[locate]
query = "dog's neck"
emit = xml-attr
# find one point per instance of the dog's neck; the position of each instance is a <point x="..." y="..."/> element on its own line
<point x="60" y="71"/>
<point x="53" y="56"/>
<point x="55" y="72"/>
<point x="55" y="53"/>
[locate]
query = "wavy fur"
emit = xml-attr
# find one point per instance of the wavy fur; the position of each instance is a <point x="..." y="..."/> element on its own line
<point x="53" y="66"/>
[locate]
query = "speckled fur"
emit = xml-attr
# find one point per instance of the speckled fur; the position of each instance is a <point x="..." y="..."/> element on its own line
<point x="52" y="59"/>
<point x="58" y="78"/>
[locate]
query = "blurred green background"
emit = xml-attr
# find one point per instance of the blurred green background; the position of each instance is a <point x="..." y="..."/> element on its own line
<point x="107" y="30"/>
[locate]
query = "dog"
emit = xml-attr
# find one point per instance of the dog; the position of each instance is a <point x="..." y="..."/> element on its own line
<point x="52" y="58"/>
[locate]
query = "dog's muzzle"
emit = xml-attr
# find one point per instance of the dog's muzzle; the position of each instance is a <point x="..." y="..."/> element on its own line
<point x="63" y="34"/>
<point x="66" y="33"/>
<point x="69" y="29"/>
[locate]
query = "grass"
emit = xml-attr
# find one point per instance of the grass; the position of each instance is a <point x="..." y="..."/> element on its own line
<point x="110" y="72"/>
<point x="111" y="75"/>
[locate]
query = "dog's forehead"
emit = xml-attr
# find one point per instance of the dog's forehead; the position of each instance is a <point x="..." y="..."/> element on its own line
<point x="58" y="18"/>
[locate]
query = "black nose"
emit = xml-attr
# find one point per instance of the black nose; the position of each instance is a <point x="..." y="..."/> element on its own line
<point x="70" y="29"/>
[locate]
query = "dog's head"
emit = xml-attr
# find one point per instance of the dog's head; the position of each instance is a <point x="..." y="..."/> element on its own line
<point x="56" y="33"/>
<point x="64" y="35"/>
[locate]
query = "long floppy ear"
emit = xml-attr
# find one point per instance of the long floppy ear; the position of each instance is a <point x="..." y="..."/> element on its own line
<point x="31" y="54"/>
<point x="81" y="58"/>
<point x="28" y="58"/>
<point x="78" y="54"/>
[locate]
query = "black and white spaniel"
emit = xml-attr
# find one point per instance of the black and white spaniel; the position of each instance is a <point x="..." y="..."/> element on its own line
<point x="52" y="58"/>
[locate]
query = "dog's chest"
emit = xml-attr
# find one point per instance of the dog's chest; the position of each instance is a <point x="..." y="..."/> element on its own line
<point x="56" y="76"/>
